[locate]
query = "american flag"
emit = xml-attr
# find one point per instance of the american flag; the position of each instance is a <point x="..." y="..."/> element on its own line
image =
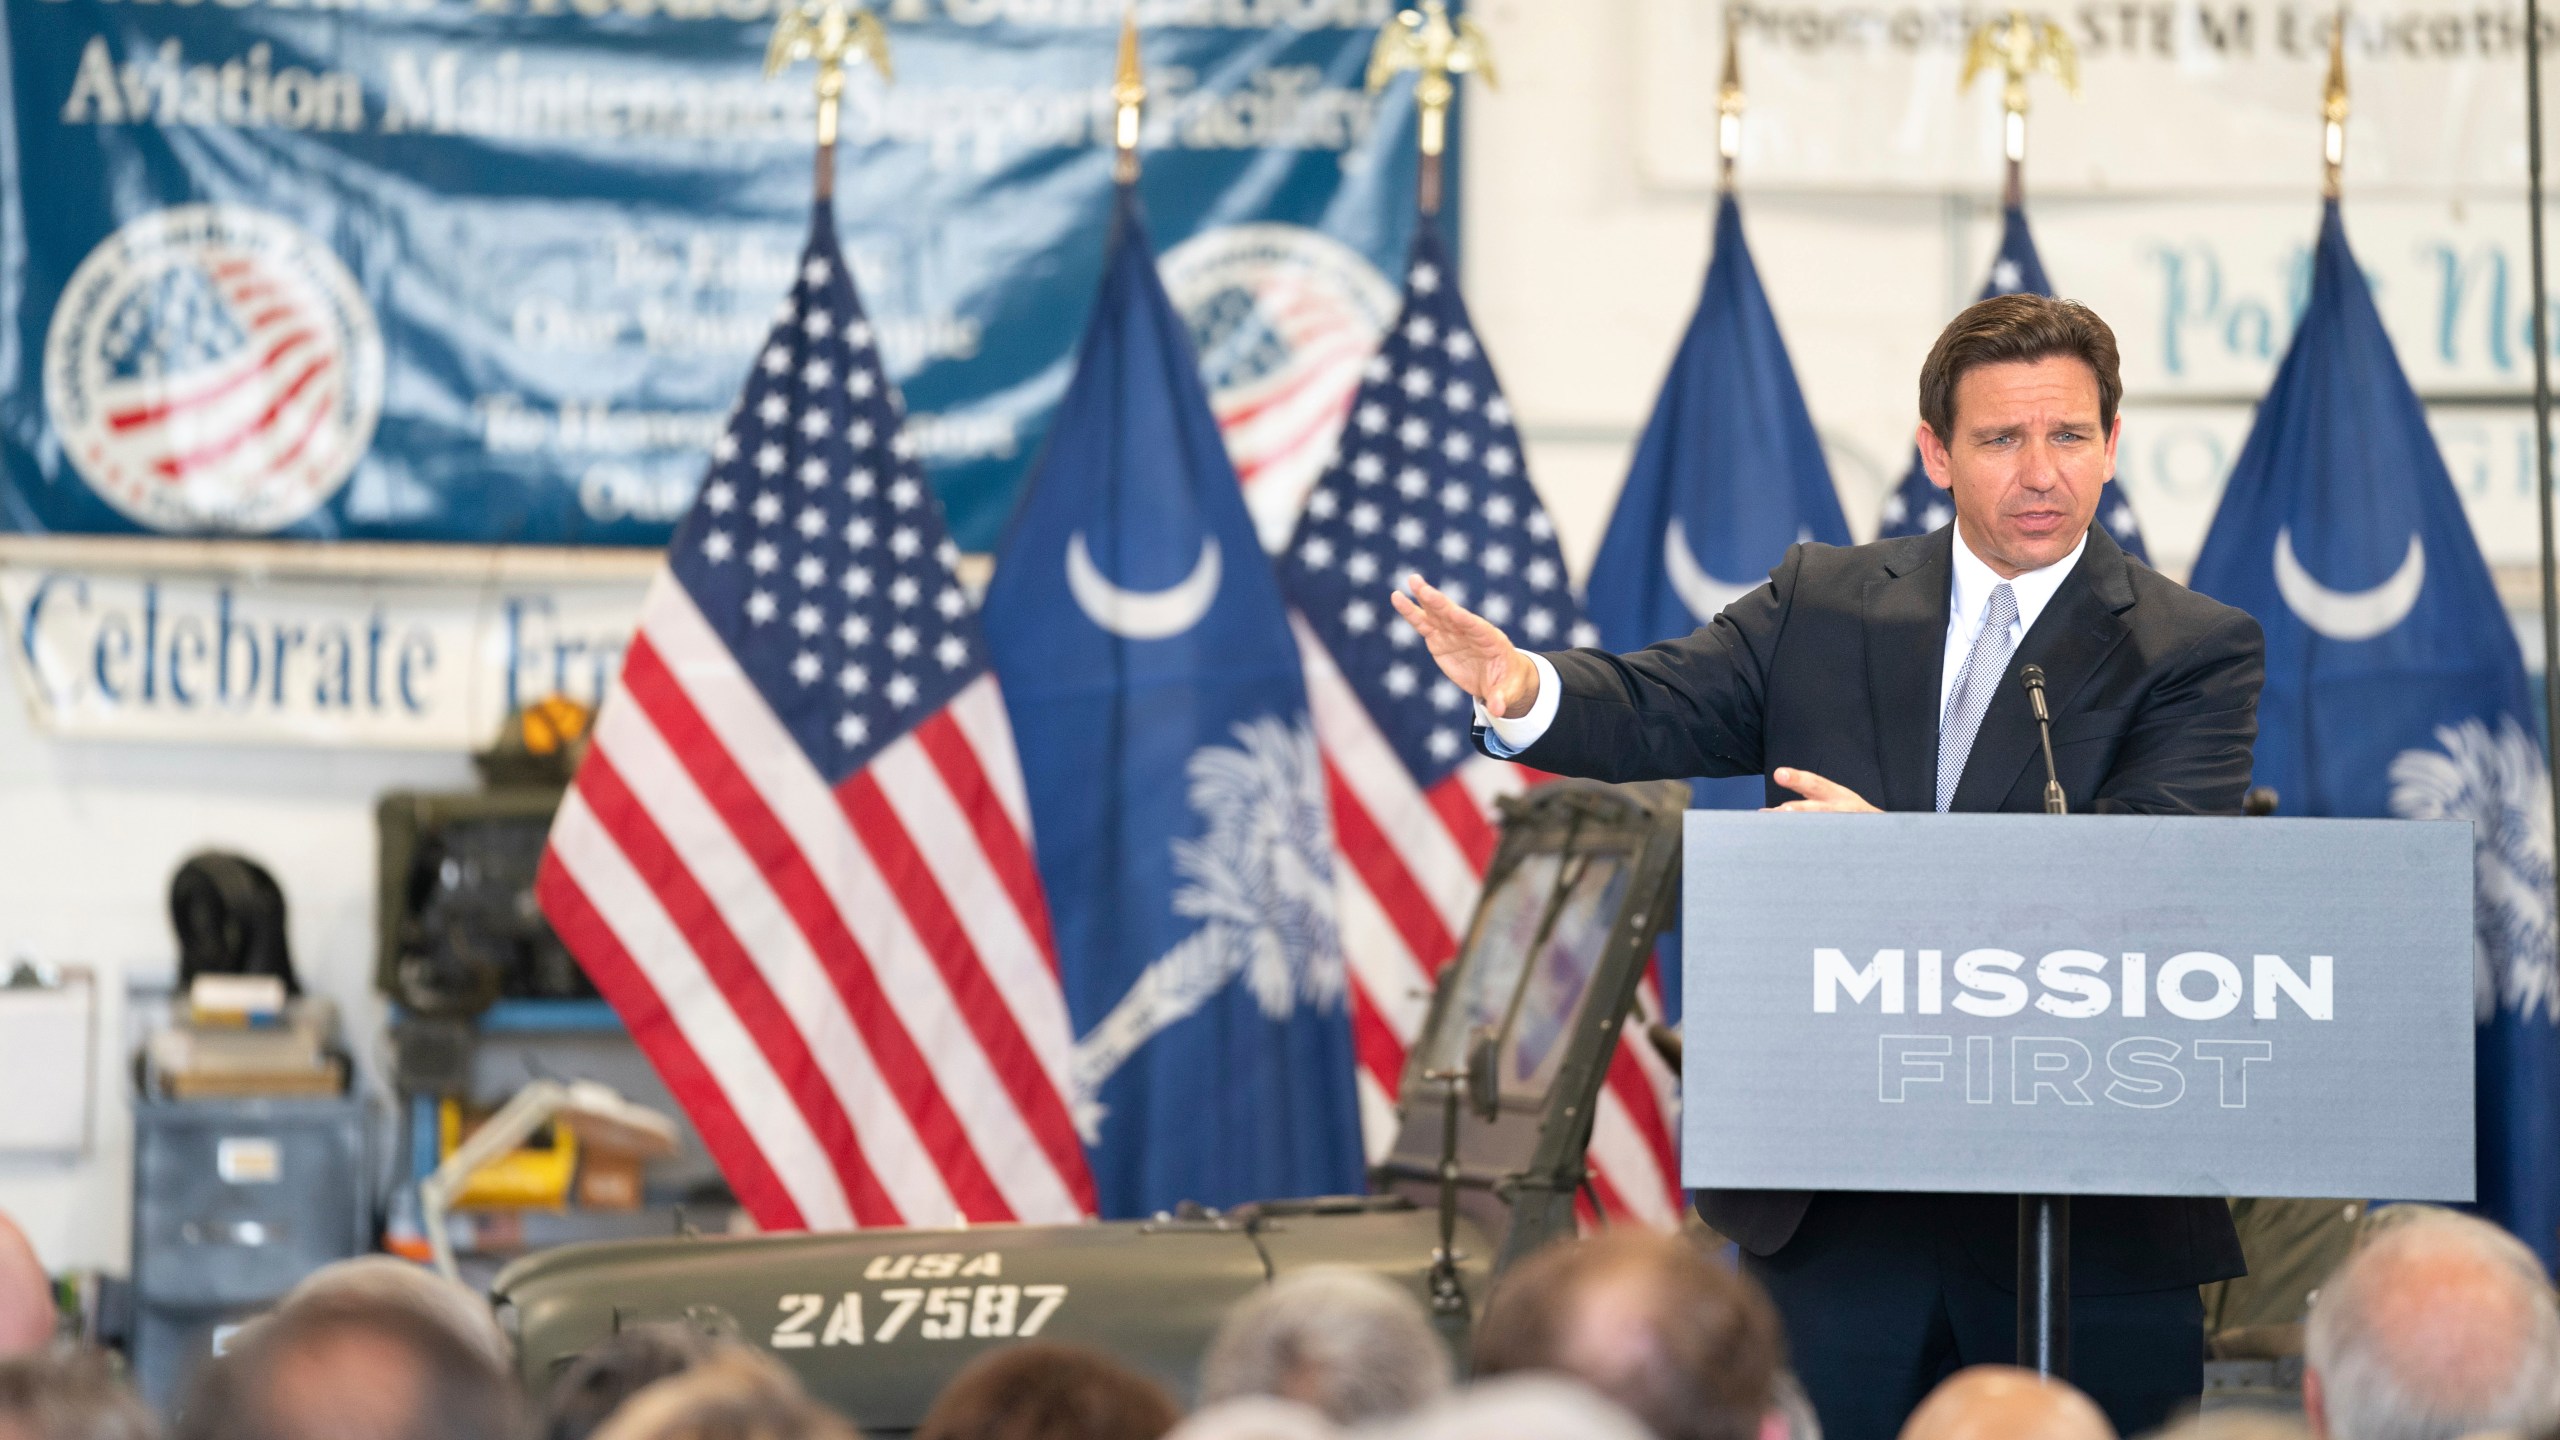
<point x="228" y="369"/>
<point x="1428" y="477"/>
<point x="797" y="856"/>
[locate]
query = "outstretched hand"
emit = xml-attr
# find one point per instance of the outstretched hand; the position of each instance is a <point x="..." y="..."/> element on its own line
<point x="1471" y="650"/>
<point x="1821" y="796"/>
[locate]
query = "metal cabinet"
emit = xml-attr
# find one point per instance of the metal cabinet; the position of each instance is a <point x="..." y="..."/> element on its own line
<point x="233" y="1202"/>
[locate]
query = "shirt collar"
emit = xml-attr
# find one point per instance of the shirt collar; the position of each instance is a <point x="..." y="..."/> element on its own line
<point x="1974" y="580"/>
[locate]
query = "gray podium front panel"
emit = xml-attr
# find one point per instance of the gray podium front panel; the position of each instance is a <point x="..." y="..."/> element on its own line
<point x="2109" y="1005"/>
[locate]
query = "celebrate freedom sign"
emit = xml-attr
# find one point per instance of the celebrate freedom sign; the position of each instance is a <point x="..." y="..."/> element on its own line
<point x="491" y="270"/>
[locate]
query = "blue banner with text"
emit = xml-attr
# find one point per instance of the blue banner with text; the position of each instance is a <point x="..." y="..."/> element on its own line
<point x="490" y="271"/>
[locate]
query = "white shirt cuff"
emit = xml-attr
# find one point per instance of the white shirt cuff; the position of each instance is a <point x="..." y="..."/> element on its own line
<point x="1509" y="737"/>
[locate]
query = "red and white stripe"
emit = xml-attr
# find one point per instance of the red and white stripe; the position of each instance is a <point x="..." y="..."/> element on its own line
<point x="257" y="410"/>
<point x="851" y="988"/>
<point x="1413" y="862"/>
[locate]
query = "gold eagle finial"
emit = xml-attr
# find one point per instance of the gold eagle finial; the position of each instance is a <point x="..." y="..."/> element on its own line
<point x="829" y="32"/>
<point x="1427" y="42"/>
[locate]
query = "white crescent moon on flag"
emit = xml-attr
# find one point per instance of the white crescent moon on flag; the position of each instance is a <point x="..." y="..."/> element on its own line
<point x="1705" y="595"/>
<point x="1143" y="614"/>
<point x="2349" y="614"/>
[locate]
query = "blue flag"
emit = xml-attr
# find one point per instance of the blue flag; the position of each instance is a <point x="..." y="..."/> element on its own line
<point x="2395" y="685"/>
<point x="1917" y="507"/>
<point x="1728" y="475"/>
<point x="1177" y="797"/>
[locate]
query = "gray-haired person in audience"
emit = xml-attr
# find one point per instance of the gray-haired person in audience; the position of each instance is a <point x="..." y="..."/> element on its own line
<point x="2436" y="1328"/>
<point x="388" y="1280"/>
<point x="1691" y="1348"/>
<point x="1345" y="1343"/>
<point x="68" y="1395"/>
<point x="1515" y="1407"/>
<point x="734" y="1394"/>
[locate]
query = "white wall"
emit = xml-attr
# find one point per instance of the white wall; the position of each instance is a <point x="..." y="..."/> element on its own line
<point x="90" y="833"/>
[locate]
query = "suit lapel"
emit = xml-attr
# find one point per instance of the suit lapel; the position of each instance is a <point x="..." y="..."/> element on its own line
<point x="2077" y="631"/>
<point x="1906" y="632"/>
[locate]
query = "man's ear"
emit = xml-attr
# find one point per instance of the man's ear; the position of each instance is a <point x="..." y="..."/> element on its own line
<point x="1773" y="1426"/>
<point x="2115" y="436"/>
<point x="2315" y="1408"/>
<point x="1933" y="456"/>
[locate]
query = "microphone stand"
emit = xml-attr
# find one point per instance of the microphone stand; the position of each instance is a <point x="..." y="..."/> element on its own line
<point x="2044" y="1221"/>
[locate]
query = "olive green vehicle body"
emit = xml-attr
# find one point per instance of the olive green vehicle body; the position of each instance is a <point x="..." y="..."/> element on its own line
<point x="1510" y="1064"/>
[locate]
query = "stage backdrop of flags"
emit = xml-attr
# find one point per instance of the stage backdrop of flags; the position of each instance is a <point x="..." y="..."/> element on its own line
<point x="1428" y="478"/>
<point x="1175" y="784"/>
<point x="797" y="858"/>
<point x="2395" y="686"/>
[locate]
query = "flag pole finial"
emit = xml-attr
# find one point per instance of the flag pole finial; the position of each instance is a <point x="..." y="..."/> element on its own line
<point x="2019" y="45"/>
<point x="1428" y="42"/>
<point x="829" y="32"/>
<point x="2333" y="110"/>
<point x="1729" y="99"/>
<point x="1128" y="100"/>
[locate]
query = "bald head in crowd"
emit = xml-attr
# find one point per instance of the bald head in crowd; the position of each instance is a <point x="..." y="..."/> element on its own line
<point x="26" y="1295"/>
<point x="2002" y="1402"/>
<point x="2438" y="1327"/>
<point x="352" y="1368"/>
<point x="1690" y="1348"/>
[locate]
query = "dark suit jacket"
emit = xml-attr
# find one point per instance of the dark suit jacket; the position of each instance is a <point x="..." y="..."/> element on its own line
<point x="1833" y="667"/>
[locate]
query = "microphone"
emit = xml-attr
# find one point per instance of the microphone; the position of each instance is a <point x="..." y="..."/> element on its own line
<point x="2032" y="676"/>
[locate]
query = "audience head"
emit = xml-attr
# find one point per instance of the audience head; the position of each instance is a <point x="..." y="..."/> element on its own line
<point x="69" y="1396"/>
<point x="1690" y="1348"/>
<point x="352" y="1367"/>
<point x="2435" y="1328"/>
<point x="26" y="1295"/>
<point x="2003" y="1402"/>
<point x="1516" y="1407"/>
<point x="394" y="1283"/>
<point x="733" y="1394"/>
<point x="598" y="1382"/>
<point x="1255" y="1417"/>
<point x="1043" y="1391"/>
<point x="1344" y="1342"/>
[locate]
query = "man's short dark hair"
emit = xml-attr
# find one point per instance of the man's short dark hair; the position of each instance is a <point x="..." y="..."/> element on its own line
<point x="352" y="1368"/>
<point x="1689" y="1347"/>
<point x="2016" y="329"/>
<point x="615" y="1369"/>
<point x="1044" y="1391"/>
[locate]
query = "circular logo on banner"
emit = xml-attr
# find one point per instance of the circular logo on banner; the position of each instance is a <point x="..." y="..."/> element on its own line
<point x="1285" y="318"/>
<point x="213" y="368"/>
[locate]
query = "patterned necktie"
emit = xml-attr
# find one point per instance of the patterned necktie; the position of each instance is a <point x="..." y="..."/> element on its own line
<point x="1975" y="684"/>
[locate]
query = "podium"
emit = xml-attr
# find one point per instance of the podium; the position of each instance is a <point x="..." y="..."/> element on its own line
<point x="2050" y="1006"/>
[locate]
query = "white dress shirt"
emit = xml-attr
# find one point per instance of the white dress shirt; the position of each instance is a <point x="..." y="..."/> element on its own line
<point x="1968" y="599"/>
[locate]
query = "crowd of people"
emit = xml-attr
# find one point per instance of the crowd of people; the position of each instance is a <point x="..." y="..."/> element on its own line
<point x="2438" y="1328"/>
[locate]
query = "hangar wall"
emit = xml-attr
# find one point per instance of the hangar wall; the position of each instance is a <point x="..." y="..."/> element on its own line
<point x="1586" y="232"/>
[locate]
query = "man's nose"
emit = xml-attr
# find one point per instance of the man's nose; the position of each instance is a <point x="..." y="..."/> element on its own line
<point x="2040" y="467"/>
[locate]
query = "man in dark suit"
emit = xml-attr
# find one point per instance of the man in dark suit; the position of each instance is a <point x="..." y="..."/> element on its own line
<point x="1885" y="676"/>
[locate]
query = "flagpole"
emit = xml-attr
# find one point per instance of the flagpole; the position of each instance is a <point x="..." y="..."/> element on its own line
<point x="1428" y="42"/>
<point x="1729" y="103"/>
<point x="829" y="32"/>
<point x="2542" y="398"/>
<point x="1128" y="102"/>
<point x="2018" y="45"/>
